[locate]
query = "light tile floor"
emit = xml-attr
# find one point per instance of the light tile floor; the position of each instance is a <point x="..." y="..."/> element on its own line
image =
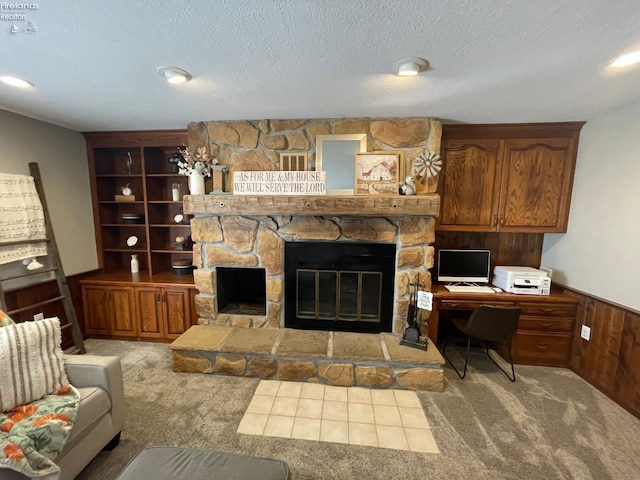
<point x="354" y="415"/>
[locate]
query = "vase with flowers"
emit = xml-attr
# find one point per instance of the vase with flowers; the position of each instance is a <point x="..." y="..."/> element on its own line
<point x="196" y="166"/>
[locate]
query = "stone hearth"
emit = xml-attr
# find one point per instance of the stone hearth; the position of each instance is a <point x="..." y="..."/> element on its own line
<point x="332" y="358"/>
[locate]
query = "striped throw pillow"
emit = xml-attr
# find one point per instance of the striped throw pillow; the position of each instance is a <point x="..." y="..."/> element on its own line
<point x="31" y="364"/>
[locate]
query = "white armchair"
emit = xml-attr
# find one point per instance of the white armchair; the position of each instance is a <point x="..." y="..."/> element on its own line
<point x="100" y="414"/>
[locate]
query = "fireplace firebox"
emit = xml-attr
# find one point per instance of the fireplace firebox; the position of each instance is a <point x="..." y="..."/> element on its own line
<point x="241" y="291"/>
<point x="345" y="286"/>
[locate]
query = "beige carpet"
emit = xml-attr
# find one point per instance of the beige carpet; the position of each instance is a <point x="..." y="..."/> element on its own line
<point x="550" y="424"/>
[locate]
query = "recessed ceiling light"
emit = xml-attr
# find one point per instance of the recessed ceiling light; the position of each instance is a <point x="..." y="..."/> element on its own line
<point x="174" y="74"/>
<point x="410" y="66"/>
<point x="627" y="59"/>
<point x="16" y="82"/>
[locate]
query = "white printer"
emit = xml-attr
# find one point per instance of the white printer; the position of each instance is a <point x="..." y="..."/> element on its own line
<point x="522" y="280"/>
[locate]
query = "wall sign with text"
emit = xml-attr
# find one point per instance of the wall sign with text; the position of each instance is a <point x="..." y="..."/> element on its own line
<point x="279" y="183"/>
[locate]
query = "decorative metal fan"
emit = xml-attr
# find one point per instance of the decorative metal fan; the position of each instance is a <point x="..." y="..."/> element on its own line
<point x="427" y="164"/>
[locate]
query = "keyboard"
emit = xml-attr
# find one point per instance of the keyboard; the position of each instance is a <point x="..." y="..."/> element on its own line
<point x="469" y="289"/>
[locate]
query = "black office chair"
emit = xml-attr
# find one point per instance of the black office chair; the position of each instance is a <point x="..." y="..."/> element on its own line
<point x="487" y="325"/>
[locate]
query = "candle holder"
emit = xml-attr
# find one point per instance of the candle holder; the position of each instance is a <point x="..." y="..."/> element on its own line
<point x="175" y="192"/>
<point x="217" y="175"/>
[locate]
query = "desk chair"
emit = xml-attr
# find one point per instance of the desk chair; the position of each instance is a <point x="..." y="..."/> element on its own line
<point x="488" y="325"/>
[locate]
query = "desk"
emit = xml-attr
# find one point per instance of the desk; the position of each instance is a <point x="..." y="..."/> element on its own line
<point x="545" y="330"/>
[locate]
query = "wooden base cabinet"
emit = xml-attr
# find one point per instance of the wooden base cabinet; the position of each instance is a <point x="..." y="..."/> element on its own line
<point x="109" y="310"/>
<point x="163" y="312"/>
<point x="115" y="307"/>
<point x="545" y="333"/>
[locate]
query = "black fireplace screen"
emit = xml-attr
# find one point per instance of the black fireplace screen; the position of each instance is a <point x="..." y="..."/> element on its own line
<point x="339" y="286"/>
<point x="338" y="295"/>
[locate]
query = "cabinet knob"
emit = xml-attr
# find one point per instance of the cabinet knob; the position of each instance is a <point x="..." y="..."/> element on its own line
<point x="543" y="347"/>
<point x="503" y="220"/>
<point x="157" y="297"/>
<point x="494" y="220"/>
<point x="544" y="324"/>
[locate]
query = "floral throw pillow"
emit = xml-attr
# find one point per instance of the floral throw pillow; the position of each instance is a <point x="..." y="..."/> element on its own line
<point x="32" y="364"/>
<point x="5" y="319"/>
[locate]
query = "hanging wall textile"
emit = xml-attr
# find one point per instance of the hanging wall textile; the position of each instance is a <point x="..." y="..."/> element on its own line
<point x="21" y="218"/>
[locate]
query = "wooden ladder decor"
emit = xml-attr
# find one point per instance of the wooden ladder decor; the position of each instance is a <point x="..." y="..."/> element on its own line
<point x="63" y="295"/>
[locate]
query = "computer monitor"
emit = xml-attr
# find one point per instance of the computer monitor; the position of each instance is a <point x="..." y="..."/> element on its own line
<point x="468" y="266"/>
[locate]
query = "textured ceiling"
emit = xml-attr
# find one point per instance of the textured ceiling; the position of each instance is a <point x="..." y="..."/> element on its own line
<point x="94" y="63"/>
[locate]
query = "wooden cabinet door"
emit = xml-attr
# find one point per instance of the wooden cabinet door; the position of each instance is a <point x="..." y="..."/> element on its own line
<point x="470" y="189"/>
<point x="150" y="312"/>
<point x="536" y="185"/>
<point x="177" y="313"/>
<point x="123" y="311"/>
<point x="96" y="309"/>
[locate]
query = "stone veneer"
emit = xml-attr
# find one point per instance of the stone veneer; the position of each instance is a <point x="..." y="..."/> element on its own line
<point x="258" y="241"/>
<point x="250" y="145"/>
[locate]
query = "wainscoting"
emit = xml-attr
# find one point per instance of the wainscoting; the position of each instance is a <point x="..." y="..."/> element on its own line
<point x="32" y="294"/>
<point x="610" y="360"/>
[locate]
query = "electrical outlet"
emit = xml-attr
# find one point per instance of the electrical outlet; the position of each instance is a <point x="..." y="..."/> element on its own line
<point x="38" y="316"/>
<point x="586" y="332"/>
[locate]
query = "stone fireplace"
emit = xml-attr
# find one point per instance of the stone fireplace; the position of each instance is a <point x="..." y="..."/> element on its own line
<point x="250" y="232"/>
<point x="258" y="241"/>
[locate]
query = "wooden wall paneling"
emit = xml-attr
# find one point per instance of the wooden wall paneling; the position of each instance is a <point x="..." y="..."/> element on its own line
<point x="31" y="294"/>
<point x="627" y="386"/>
<point x="605" y="345"/>
<point x="610" y="360"/>
<point x="580" y="349"/>
<point x="506" y="248"/>
<point x="519" y="249"/>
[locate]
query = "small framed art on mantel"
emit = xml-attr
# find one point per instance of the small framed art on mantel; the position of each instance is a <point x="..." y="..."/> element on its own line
<point x="377" y="173"/>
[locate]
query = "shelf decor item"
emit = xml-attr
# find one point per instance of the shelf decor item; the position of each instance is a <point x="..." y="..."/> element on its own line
<point x="217" y="175"/>
<point x="127" y="194"/>
<point x="129" y="169"/>
<point x="196" y="183"/>
<point x="426" y="168"/>
<point x="377" y="173"/>
<point x="182" y="267"/>
<point x="196" y="166"/>
<point x="175" y="192"/>
<point x="132" y="218"/>
<point x="173" y="163"/>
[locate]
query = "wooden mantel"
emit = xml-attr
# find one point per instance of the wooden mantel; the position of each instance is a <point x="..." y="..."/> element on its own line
<point x="360" y="205"/>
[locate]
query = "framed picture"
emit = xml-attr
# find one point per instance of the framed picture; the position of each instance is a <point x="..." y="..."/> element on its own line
<point x="377" y="173"/>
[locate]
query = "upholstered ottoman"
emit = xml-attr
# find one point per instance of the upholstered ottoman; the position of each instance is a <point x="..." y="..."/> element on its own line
<point x="176" y="463"/>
